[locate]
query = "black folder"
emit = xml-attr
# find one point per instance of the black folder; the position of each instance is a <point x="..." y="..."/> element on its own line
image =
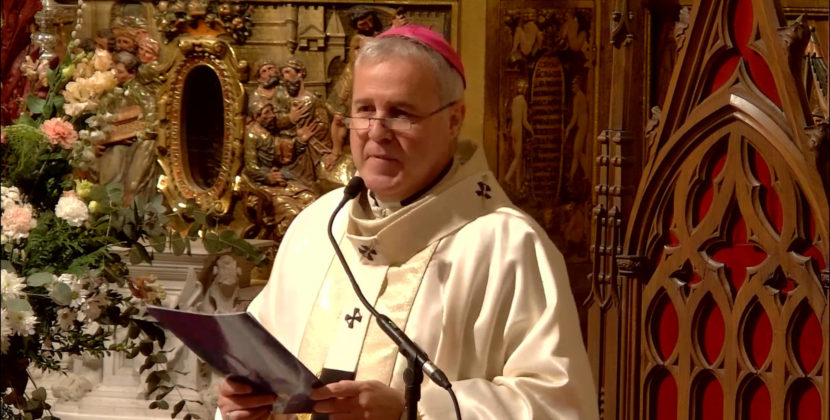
<point x="239" y="346"/>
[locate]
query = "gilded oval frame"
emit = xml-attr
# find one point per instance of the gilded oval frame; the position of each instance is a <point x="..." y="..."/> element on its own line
<point x="178" y="184"/>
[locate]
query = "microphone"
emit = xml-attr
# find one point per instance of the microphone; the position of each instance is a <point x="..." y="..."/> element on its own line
<point x="405" y="344"/>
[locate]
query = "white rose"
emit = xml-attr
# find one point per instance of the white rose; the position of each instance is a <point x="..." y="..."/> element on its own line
<point x="102" y="60"/>
<point x="72" y="209"/>
<point x="73" y="109"/>
<point x="102" y="81"/>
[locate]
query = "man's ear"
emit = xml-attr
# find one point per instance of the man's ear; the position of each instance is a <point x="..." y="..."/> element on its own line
<point x="457" y="113"/>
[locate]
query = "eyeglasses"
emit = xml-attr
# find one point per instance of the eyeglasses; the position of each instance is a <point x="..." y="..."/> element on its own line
<point x="394" y="124"/>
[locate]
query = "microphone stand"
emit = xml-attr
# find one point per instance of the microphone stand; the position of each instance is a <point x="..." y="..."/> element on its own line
<point x="417" y="359"/>
<point x="413" y="377"/>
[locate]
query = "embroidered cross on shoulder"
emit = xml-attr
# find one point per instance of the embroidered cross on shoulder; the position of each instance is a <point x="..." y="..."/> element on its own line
<point x="367" y="252"/>
<point x="483" y="190"/>
<point x="356" y="316"/>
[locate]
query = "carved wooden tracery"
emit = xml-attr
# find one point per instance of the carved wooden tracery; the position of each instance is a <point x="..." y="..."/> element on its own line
<point x="723" y="294"/>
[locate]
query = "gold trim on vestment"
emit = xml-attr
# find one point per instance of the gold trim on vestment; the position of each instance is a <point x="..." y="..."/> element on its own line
<point x="377" y="359"/>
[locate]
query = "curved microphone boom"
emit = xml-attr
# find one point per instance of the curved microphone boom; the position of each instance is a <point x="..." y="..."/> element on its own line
<point x="407" y="347"/>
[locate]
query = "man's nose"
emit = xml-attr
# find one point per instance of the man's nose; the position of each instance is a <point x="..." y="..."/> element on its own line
<point x="378" y="130"/>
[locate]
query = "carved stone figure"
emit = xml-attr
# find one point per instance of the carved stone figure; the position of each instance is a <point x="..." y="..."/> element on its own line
<point x="125" y="39"/>
<point x="105" y="40"/>
<point x="365" y="20"/>
<point x="265" y="73"/>
<point x="148" y="53"/>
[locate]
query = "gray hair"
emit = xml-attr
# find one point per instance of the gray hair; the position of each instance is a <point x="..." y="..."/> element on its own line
<point x="128" y="59"/>
<point x="378" y="50"/>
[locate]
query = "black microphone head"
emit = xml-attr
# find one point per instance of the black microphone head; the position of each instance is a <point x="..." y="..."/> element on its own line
<point x="354" y="188"/>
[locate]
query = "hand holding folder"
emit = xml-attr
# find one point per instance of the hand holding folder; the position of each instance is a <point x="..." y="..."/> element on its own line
<point x="241" y="348"/>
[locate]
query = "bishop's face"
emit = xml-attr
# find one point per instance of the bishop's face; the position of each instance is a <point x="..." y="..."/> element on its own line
<point x="397" y="164"/>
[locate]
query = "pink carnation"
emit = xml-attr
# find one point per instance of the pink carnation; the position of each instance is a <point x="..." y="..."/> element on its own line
<point x="17" y="222"/>
<point x="59" y="132"/>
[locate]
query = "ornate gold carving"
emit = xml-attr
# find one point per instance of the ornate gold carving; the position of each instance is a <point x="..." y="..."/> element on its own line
<point x="214" y="47"/>
<point x="205" y="17"/>
<point x="179" y="186"/>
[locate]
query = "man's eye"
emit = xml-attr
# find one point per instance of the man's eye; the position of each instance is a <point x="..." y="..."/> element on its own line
<point x="400" y="114"/>
<point x="364" y="111"/>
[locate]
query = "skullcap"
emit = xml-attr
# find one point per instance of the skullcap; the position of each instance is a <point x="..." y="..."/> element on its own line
<point x="431" y="39"/>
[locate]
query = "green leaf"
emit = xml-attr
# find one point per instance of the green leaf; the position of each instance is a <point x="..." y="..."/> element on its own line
<point x="61" y="294"/>
<point x="228" y="235"/>
<point x="152" y="382"/>
<point x="35" y="104"/>
<point x="178" y="243"/>
<point x="193" y="232"/>
<point x="139" y="254"/>
<point x="163" y="404"/>
<point x="146" y="348"/>
<point x="162" y="391"/>
<point x="26" y="119"/>
<point x="212" y="242"/>
<point x="159" y="358"/>
<point x="39" y="394"/>
<point x="133" y="331"/>
<point x="32" y="405"/>
<point x="177" y="409"/>
<point x="159" y="242"/>
<point x="147" y="365"/>
<point x="133" y="353"/>
<point x="39" y="279"/>
<point x="18" y="305"/>
<point x="58" y="102"/>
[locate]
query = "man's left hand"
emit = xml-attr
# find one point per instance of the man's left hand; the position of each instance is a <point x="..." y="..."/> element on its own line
<point x="347" y="400"/>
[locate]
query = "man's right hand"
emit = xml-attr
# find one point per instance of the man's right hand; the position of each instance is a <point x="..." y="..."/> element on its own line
<point x="298" y="111"/>
<point x="275" y="177"/>
<point x="237" y="401"/>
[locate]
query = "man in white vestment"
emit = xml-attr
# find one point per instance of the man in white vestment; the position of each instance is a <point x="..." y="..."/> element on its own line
<point x="437" y="246"/>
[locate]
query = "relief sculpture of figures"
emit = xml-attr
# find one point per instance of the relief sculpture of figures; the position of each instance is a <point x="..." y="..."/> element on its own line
<point x="545" y="149"/>
<point x="134" y="109"/>
<point x="264" y="171"/>
<point x="318" y="160"/>
<point x="527" y="37"/>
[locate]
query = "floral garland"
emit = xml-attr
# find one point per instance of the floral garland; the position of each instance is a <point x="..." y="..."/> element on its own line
<point x="65" y="291"/>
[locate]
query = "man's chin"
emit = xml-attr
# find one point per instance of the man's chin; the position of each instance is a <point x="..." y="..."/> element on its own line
<point x="385" y="187"/>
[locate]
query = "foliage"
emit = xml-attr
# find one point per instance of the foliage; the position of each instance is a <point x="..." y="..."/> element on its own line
<point x="65" y="289"/>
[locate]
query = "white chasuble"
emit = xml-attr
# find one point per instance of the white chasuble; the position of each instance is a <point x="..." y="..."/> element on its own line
<point x="473" y="280"/>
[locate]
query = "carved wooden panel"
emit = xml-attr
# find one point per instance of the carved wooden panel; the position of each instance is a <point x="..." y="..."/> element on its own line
<point x="722" y="282"/>
<point x="542" y="57"/>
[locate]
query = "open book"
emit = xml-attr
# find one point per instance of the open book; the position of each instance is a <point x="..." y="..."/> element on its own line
<point x="240" y="347"/>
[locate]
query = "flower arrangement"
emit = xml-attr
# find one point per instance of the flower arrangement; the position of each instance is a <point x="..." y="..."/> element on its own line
<point x="65" y="289"/>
